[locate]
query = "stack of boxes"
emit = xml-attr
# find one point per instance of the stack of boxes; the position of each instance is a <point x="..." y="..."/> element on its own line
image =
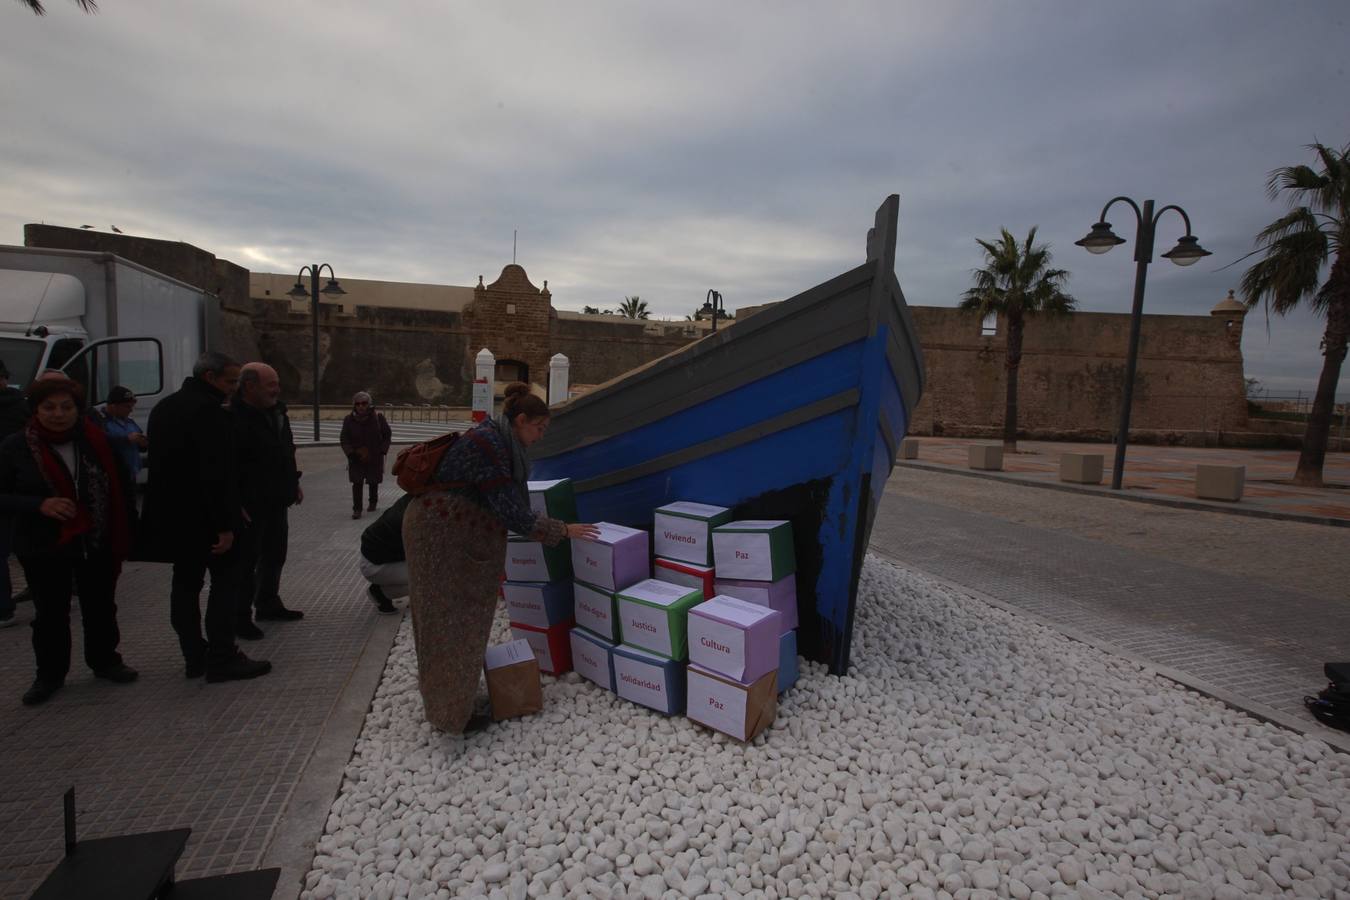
<point x="615" y="559"/>
<point x="538" y="588"/>
<point x="733" y="666"/>
<point x="755" y="562"/>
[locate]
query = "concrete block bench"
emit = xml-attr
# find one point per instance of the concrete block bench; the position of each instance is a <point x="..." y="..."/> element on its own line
<point x="986" y="456"/>
<point x="909" y="449"/>
<point x="1215" y="482"/>
<point x="1081" y="468"/>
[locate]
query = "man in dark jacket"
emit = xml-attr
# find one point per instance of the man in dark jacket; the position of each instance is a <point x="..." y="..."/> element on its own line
<point x="383" y="561"/>
<point x="193" y="512"/>
<point x="13" y="415"/>
<point x="269" y="484"/>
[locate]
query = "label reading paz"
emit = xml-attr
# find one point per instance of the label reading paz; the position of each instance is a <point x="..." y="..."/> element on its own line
<point x="756" y="550"/>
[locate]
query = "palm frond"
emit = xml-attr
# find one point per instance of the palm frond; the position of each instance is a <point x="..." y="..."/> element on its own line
<point x="38" y="9"/>
<point x="1297" y="220"/>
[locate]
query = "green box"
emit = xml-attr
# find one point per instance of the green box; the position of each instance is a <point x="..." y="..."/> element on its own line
<point x="654" y="615"/>
<point x="754" y="550"/>
<point x="683" y="531"/>
<point x="554" y="499"/>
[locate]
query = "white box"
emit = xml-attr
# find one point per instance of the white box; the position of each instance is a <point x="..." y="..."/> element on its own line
<point x="648" y="679"/>
<point x="615" y="558"/>
<point x="739" y="710"/>
<point x="683" y="530"/>
<point x="594" y="611"/>
<point x="734" y="638"/>
<point x="593" y="658"/>
<point x="754" y="549"/>
<point x="653" y="615"/>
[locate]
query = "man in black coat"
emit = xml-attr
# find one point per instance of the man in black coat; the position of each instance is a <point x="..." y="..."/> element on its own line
<point x="269" y="484"/>
<point x="13" y="415"/>
<point x="193" y="512"/>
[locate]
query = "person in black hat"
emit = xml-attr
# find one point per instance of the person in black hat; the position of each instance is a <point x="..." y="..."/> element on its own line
<point x="123" y="433"/>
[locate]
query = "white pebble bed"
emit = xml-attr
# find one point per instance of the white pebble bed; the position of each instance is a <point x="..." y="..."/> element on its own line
<point x="968" y="754"/>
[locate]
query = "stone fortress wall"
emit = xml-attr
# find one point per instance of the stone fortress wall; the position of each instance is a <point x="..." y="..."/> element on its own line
<point x="415" y="344"/>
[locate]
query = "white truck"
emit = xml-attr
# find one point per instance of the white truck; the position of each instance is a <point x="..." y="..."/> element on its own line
<point x="103" y="320"/>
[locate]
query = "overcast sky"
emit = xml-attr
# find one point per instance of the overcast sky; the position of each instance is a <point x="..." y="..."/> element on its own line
<point x="664" y="149"/>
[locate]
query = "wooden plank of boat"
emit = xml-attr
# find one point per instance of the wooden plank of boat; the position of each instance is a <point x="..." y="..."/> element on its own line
<point x="794" y="413"/>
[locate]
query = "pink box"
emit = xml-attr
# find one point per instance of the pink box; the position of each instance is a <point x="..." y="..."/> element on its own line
<point x="685" y="573"/>
<point x="780" y="595"/>
<point x="734" y="638"/>
<point x="618" y="557"/>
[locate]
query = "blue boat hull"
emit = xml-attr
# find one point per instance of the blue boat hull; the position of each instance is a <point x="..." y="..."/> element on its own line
<point x="797" y="415"/>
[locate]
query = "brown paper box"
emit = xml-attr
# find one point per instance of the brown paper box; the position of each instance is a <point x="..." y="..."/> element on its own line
<point x="515" y="690"/>
<point x="732" y="707"/>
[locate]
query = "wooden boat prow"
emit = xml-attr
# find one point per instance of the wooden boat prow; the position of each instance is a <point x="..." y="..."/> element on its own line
<point x="793" y="413"/>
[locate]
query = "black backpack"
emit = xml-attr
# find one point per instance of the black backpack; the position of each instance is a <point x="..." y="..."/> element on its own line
<point x="1332" y="705"/>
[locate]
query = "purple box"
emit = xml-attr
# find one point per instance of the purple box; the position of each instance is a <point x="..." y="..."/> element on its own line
<point x="617" y="558"/>
<point x="780" y="595"/>
<point x="734" y="638"/>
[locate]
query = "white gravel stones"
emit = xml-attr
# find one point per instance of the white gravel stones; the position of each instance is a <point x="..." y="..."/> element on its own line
<point x="968" y="753"/>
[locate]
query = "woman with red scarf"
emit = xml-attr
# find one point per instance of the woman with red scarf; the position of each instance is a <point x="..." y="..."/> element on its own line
<point x="74" y="513"/>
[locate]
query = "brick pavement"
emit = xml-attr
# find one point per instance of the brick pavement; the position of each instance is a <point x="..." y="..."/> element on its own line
<point x="1168" y="473"/>
<point x="1252" y="606"/>
<point x="223" y="759"/>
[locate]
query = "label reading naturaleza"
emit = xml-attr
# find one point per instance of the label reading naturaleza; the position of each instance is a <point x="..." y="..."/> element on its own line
<point x="593" y="609"/>
<point x="642" y="682"/>
<point x="717" y="704"/>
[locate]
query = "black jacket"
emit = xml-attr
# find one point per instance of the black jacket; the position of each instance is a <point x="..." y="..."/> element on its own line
<point x="265" y="450"/>
<point x="382" y="541"/>
<point x="22" y="490"/>
<point x="193" y="491"/>
<point x="13" y="412"/>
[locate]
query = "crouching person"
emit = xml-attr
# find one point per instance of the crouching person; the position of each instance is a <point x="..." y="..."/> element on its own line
<point x="383" y="562"/>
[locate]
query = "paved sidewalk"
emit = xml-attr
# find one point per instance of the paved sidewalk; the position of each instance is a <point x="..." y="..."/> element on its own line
<point x="235" y="761"/>
<point x="1252" y="607"/>
<point x="1165" y="474"/>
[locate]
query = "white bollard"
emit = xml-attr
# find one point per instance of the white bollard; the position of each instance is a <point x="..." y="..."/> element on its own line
<point x="558" y="369"/>
<point x="484" y="382"/>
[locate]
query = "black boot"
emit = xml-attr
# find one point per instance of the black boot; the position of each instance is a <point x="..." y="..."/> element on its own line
<point x="381" y="601"/>
<point x="41" y="691"/>
<point x="238" y="668"/>
<point x="356" y="500"/>
<point x="374" y="498"/>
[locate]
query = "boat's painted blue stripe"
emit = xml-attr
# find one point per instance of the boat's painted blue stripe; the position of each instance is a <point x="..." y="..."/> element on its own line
<point x="790" y="388"/>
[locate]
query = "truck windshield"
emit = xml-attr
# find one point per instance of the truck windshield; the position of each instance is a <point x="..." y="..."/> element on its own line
<point x="21" y="357"/>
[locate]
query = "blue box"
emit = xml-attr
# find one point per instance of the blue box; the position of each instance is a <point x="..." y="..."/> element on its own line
<point x="539" y="604"/>
<point x="593" y="658"/>
<point x="787" y="660"/>
<point x="653" y="681"/>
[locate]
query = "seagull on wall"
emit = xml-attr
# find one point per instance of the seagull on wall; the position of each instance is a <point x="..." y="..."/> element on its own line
<point x="115" y="228"/>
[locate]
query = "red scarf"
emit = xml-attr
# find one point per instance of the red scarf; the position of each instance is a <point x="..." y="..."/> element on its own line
<point x="115" y="527"/>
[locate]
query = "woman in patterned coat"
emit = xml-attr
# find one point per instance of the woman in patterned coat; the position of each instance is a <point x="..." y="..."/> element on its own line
<point x="455" y="539"/>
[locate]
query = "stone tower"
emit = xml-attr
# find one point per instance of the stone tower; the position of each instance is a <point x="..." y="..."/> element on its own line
<point x="1233" y="312"/>
<point x="512" y="318"/>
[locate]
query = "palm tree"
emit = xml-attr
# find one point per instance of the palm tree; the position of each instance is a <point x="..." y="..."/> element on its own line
<point x="1298" y="247"/>
<point x="1015" y="282"/>
<point x="36" y="6"/>
<point x="634" y="307"/>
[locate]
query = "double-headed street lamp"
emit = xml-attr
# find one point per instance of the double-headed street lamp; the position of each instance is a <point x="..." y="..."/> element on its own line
<point x="331" y="288"/>
<point x="713" y="304"/>
<point x="1187" y="251"/>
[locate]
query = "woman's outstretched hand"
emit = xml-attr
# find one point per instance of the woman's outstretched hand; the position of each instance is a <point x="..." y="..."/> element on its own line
<point x="61" y="509"/>
<point x="582" y="531"/>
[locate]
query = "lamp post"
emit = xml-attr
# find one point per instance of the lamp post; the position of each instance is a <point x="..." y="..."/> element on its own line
<point x="713" y="304"/>
<point x="1187" y="251"/>
<point x="332" y="288"/>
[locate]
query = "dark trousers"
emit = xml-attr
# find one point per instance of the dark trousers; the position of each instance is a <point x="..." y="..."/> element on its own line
<point x="185" y="606"/>
<point x="50" y="580"/>
<point x="262" y="554"/>
<point x="6" y="586"/>
<point x="356" y="495"/>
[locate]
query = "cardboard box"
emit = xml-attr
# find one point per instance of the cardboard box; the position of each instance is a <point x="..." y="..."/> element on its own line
<point x="683" y="531"/>
<point x="734" y="638"/>
<point x="551" y="645"/>
<point x="554" y="499"/>
<point x="787" y="660"/>
<point x="594" y="610"/>
<point x="688" y="574"/>
<point x="615" y="559"/>
<point x="528" y="560"/>
<point x="732" y="707"/>
<point x="537" y="603"/>
<point x="654" y="615"/>
<point x="648" y="679"/>
<point x="593" y="658"/>
<point x="513" y="680"/>
<point x="754" y="550"/>
<point x="780" y="595"/>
